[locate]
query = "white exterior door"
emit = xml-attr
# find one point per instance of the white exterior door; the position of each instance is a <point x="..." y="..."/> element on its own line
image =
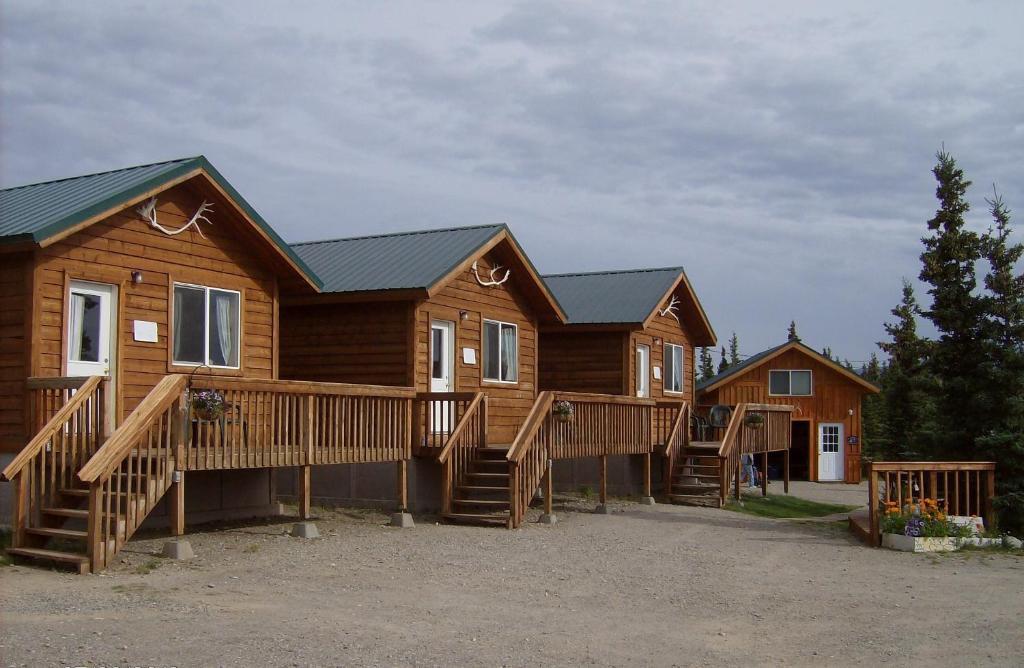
<point x="442" y="371"/>
<point x="830" y="452"/>
<point x="91" y="329"/>
<point x="643" y="371"/>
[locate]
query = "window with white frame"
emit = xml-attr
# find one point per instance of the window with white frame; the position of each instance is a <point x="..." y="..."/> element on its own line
<point x="501" y="351"/>
<point x="207" y="326"/>
<point x="789" y="383"/>
<point x="673" y="368"/>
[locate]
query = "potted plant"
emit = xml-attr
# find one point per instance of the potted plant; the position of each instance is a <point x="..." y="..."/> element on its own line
<point x="924" y="527"/>
<point x="208" y="405"/>
<point x="754" y="420"/>
<point x="563" y="411"/>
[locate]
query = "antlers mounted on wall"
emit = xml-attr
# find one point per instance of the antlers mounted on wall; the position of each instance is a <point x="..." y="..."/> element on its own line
<point x="148" y="213"/>
<point x="671" y="308"/>
<point x="492" y="280"/>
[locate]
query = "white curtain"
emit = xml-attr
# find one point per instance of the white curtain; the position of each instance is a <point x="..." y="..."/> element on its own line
<point x="677" y="369"/>
<point x="226" y="319"/>
<point x="509" y="361"/>
<point x="179" y="308"/>
<point x="76" y="316"/>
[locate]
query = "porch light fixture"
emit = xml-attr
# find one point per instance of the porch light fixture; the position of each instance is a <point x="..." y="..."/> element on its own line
<point x="136" y="277"/>
<point x="657" y="340"/>
<point x="463" y="315"/>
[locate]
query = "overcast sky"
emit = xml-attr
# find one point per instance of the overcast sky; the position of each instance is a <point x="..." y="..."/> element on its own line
<point x="781" y="152"/>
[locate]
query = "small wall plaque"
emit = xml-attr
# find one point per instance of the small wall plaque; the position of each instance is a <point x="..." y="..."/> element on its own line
<point x="469" y="355"/>
<point x="145" y="331"/>
<point x="657" y="373"/>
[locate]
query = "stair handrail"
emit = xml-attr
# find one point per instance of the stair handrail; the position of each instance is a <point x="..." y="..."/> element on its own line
<point x="124" y="438"/>
<point x="728" y="451"/>
<point x="462" y="447"/>
<point x="677" y="440"/>
<point x="54" y="425"/>
<point x="528" y="458"/>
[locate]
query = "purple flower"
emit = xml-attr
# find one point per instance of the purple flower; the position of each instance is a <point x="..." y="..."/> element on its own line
<point x="915" y="527"/>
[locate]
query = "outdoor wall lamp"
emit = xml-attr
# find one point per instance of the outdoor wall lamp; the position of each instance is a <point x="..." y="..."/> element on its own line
<point x="136" y="277"/>
<point x="463" y="315"/>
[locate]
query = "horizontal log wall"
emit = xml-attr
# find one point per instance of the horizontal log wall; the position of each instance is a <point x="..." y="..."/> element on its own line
<point x="15" y="300"/>
<point x="574" y="361"/>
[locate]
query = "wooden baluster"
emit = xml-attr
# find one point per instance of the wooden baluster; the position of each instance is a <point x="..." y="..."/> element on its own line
<point x="873" y="505"/>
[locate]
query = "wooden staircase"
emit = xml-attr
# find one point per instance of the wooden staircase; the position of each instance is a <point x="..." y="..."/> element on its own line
<point x="482" y="496"/>
<point x="696" y="475"/>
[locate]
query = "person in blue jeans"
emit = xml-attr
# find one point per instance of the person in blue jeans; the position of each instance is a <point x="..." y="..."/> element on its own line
<point x="750" y="470"/>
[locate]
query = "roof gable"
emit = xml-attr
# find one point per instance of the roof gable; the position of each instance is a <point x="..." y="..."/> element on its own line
<point x="766" y="356"/>
<point x="628" y="297"/>
<point x="43" y="213"/>
<point x="423" y="261"/>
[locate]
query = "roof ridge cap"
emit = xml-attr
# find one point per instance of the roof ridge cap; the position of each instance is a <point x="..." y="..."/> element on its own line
<point x="612" y="271"/>
<point x="399" y="234"/>
<point x="108" y="171"/>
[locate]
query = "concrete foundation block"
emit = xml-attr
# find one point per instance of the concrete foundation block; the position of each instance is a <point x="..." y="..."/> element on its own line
<point x="602" y="509"/>
<point x="548" y="519"/>
<point x="402" y="520"/>
<point x="305" y="530"/>
<point x="178" y="549"/>
<point x="646" y="500"/>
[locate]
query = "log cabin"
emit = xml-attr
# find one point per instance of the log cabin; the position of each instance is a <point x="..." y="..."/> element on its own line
<point x="826" y="399"/>
<point x="140" y="340"/>
<point x="631" y="333"/>
<point x="451" y="312"/>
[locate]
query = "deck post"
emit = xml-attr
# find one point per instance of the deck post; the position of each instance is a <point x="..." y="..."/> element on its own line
<point x="764" y="474"/>
<point x="873" y="505"/>
<point x="96" y="547"/>
<point x="177" y="504"/>
<point x="604" y="479"/>
<point x="990" y="492"/>
<point x="785" y="473"/>
<point x="304" y="492"/>
<point x="647" y="475"/>
<point x="19" y="508"/>
<point x="736" y="483"/>
<point x="403" y="485"/>
<point x="548" y="489"/>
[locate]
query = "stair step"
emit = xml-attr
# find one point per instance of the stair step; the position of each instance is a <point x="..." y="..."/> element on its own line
<point x="476" y="489"/>
<point x="69" y="534"/>
<point x="695" y="489"/>
<point x="77" y="513"/>
<point x="488" y="476"/>
<point x="80" y="561"/>
<point x="696" y="500"/>
<point x="75" y="492"/>
<point x="478" y="518"/>
<point x="493" y="503"/>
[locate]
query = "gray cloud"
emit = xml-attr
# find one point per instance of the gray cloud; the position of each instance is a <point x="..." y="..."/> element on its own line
<point x="782" y="155"/>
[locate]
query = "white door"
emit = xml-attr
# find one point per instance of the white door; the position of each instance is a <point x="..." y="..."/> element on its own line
<point x="91" y="329"/>
<point x="643" y="371"/>
<point x="830" y="452"/>
<point x="442" y="371"/>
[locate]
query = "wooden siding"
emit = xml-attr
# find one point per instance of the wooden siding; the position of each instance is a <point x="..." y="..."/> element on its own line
<point x="668" y="330"/>
<point x="347" y="343"/>
<point x="574" y="361"/>
<point x="15" y="304"/>
<point x="509" y="403"/>
<point x="832" y="398"/>
<point x="108" y="252"/>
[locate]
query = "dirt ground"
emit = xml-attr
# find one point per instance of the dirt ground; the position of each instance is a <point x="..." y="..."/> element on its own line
<point x="661" y="585"/>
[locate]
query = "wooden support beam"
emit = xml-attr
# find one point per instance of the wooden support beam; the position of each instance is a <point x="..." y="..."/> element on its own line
<point x="95" y="547"/>
<point x="736" y="483"/>
<point x="604" y="479"/>
<point x="20" y="509"/>
<point x="785" y="473"/>
<point x="177" y="504"/>
<point x="873" y="505"/>
<point x="764" y="475"/>
<point x="990" y="492"/>
<point x="304" y="493"/>
<point x="548" y="489"/>
<point x="403" y="485"/>
<point x="647" y="474"/>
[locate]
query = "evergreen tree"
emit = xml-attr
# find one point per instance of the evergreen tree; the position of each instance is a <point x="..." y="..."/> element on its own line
<point x="734" y="350"/>
<point x="791" y="334"/>
<point x="949" y="259"/>
<point x="707" y="365"/>
<point x="875" y="444"/>
<point x="723" y="364"/>
<point x="1004" y="336"/>
<point x="904" y="410"/>
<point x="826" y="351"/>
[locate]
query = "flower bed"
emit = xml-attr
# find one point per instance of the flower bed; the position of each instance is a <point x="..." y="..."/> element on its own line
<point x="925" y="527"/>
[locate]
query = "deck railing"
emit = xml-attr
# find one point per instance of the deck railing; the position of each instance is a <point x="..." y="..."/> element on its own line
<point x="435" y="416"/>
<point x="674" y="440"/>
<point x="742" y="437"/>
<point x="47" y="395"/>
<point x="462" y="448"/>
<point x="529" y="458"/>
<point x="73" y="432"/>
<point x="960" y="488"/>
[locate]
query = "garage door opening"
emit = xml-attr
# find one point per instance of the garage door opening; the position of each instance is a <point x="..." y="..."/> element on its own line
<point x="799" y="454"/>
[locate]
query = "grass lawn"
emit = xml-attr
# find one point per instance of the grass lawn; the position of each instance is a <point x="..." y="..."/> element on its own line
<point x="784" y="506"/>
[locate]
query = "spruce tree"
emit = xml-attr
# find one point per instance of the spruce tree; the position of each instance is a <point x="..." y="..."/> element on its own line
<point x="875" y="443"/>
<point x="1003" y="441"/>
<point x="707" y="365"/>
<point x="734" y="350"/>
<point x="791" y="334"/>
<point x="723" y="364"/>
<point x="904" y="411"/>
<point x="949" y="258"/>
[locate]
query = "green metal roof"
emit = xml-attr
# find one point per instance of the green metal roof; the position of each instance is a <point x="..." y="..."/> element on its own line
<point x="748" y="363"/>
<point x="39" y="211"/>
<point x="612" y="297"/>
<point x="406" y="260"/>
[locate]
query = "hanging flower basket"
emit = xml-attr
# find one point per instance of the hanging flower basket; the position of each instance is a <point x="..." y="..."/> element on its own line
<point x="563" y="411"/>
<point x="754" y="420"/>
<point x="208" y="405"/>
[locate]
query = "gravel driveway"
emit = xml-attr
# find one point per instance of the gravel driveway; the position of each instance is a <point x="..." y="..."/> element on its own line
<point x="661" y="585"/>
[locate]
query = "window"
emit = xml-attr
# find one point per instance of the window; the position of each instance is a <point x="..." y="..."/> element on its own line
<point x="501" y="352"/>
<point x="207" y="326"/>
<point x="789" y="383"/>
<point x="673" y="368"/>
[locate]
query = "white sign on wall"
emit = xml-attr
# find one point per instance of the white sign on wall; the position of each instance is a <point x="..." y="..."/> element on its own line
<point x="469" y="355"/>
<point x="657" y="373"/>
<point x="145" y="331"/>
